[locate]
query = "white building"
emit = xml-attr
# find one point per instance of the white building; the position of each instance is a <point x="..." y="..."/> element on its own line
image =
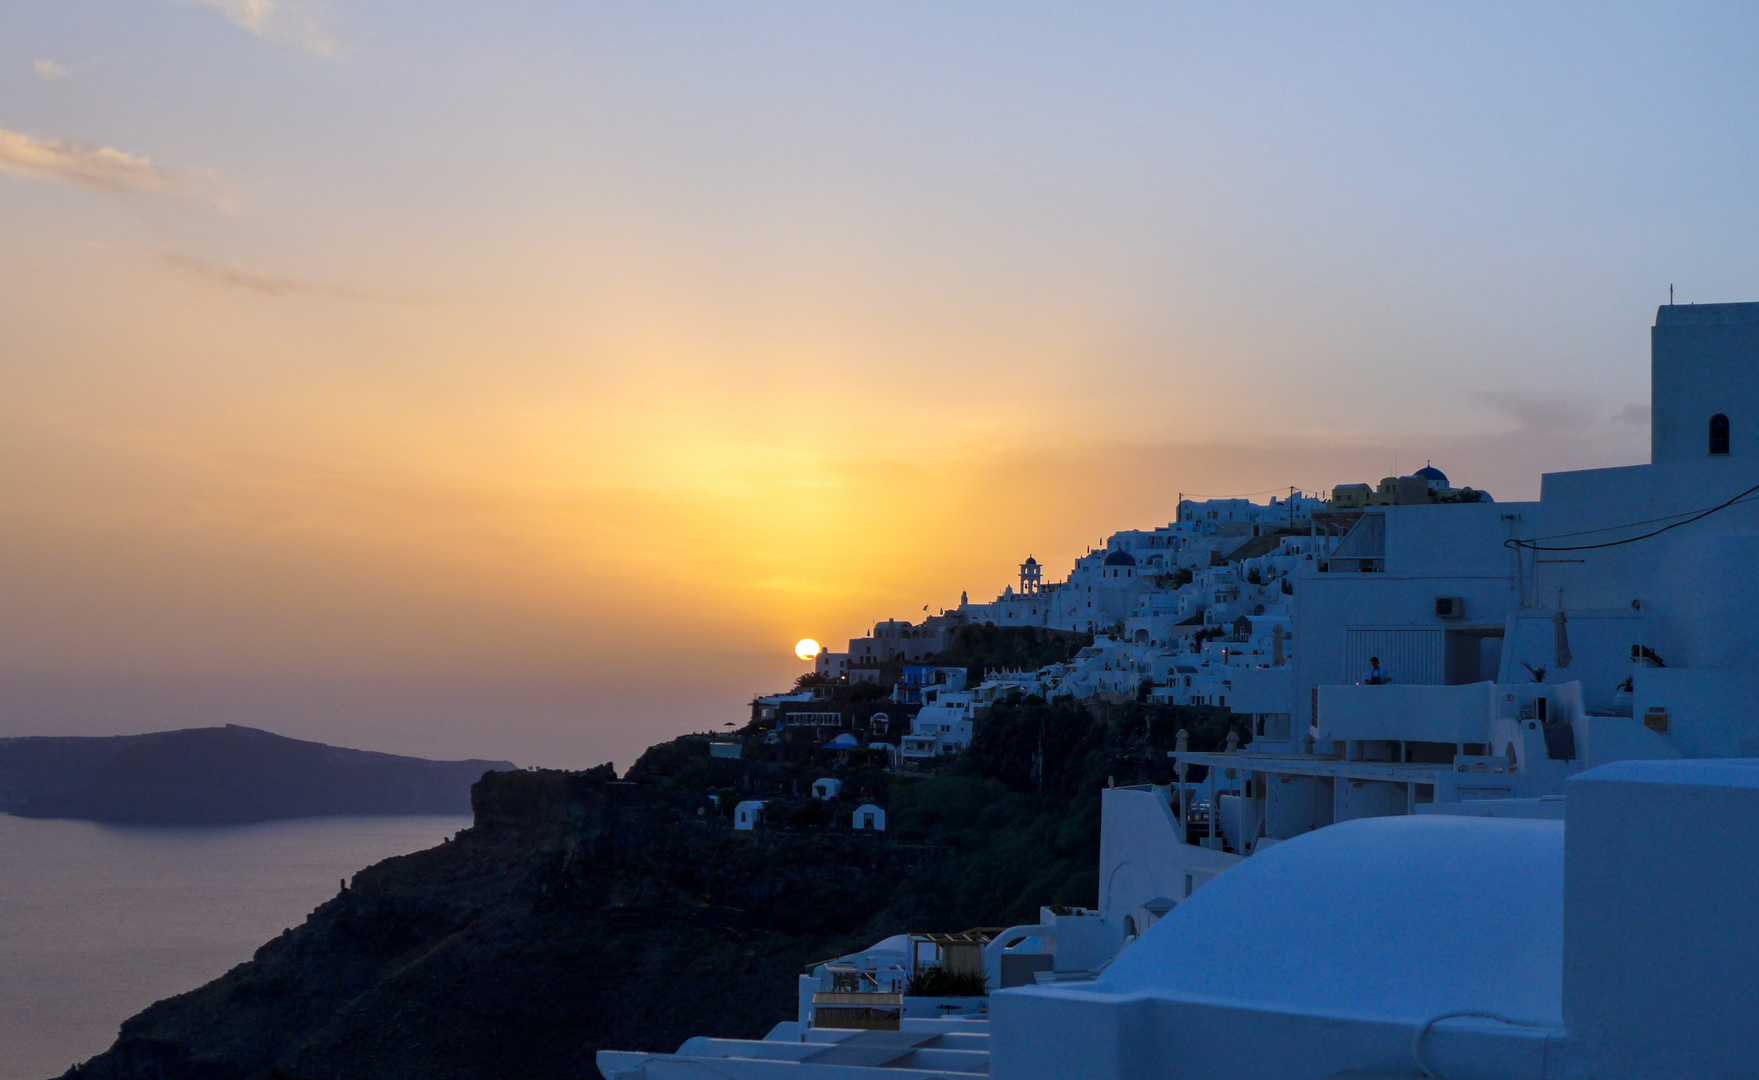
<point x="944" y="727"/>
<point x="747" y="814"/>
<point x="1245" y="517"/>
<point x="1380" y="887"/>
<point x="869" y="816"/>
<point x="827" y="787"/>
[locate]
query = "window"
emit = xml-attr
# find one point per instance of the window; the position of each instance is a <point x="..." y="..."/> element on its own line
<point x="1719" y="434"/>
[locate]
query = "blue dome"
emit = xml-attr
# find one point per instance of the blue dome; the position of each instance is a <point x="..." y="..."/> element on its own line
<point x="1120" y="558"/>
<point x="1433" y="475"/>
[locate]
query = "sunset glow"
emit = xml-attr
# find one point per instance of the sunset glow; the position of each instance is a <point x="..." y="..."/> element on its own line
<point x="508" y="383"/>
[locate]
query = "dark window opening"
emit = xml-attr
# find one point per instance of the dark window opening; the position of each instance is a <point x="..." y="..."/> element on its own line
<point x="1719" y="434"/>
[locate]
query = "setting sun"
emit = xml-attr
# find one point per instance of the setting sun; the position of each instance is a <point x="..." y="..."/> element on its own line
<point x="806" y="648"/>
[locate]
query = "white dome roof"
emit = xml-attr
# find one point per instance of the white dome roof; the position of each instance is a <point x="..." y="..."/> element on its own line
<point x="1399" y="918"/>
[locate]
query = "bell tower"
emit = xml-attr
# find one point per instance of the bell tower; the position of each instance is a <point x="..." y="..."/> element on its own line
<point x="1030" y="573"/>
<point x="1704" y="386"/>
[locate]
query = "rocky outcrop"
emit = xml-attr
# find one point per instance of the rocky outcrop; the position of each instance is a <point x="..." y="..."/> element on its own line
<point x="578" y="913"/>
<point x="581" y="912"/>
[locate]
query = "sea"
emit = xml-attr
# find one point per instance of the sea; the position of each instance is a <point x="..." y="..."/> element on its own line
<point x="99" y="921"/>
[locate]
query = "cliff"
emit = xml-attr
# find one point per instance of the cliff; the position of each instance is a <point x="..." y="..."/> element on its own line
<point x="582" y="912"/>
<point x="577" y="913"/>
<point x="222" y="775"/>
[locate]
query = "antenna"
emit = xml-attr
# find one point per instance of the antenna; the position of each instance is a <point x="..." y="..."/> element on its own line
<point x="1670" y="294"/>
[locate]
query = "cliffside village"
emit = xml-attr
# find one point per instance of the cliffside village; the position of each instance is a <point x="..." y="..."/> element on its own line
<point x="1202" y="611"/>
<point x="1440" y="688"/>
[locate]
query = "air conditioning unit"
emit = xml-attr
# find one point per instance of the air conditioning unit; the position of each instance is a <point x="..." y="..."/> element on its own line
<point x="1450" y="607"/>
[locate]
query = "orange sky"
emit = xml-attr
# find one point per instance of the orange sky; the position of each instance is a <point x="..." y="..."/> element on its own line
<point x="524" y="385"/>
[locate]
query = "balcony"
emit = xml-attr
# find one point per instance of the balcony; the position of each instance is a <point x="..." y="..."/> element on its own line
<point x="861" y="1011"/>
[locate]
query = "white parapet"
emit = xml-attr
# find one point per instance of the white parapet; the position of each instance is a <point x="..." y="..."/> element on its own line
<point x="1661" y="927"/>
<point x="1442" y="714"/>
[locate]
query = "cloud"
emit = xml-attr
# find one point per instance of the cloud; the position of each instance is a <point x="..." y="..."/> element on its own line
<point x="1560" y="413"/>
<point x="302" y="24"/>
<point x="263" y="284"/>
<point x="96" y="168"/>
<point x="48" y="70"/>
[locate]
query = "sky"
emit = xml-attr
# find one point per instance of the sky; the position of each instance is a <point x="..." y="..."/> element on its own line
<point x="522" y="380"/>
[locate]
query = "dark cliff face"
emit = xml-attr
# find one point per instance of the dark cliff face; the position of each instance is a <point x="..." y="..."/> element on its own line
<point x="577" y="914"/>
<point x="582" y="913"/>
<point x="223" y="775"/>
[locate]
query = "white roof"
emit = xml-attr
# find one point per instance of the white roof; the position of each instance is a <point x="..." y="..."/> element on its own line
<point x="1398" y="918"/>
<point x="1702" y="772"/>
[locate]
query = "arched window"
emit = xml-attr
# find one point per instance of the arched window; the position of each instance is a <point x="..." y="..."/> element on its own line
<point x="1719" y="434"/>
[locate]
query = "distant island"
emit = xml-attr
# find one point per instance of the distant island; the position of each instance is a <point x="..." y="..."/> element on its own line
<point x="222" y="775"/>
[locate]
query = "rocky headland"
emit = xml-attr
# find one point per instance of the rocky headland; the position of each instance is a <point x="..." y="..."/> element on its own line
<point x="581" y="911"/>
<point x="221" y="775"/>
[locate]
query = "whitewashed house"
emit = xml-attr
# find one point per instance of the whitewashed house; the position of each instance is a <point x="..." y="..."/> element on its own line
<point x="748" y="814"/>
<point x="869" y="816"/>
<point x="944" y="727"/>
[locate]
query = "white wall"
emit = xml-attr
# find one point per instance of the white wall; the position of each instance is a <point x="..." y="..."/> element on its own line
<point x="1661" y="950"/>
<point x="1142" y="856"/>
<point x="1702" y="362"/>
<point x="1697" y="584"/>
<point x="1445" y="714"/>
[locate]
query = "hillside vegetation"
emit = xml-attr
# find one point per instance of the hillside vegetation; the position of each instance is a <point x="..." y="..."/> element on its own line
<point x="583" y="912"/>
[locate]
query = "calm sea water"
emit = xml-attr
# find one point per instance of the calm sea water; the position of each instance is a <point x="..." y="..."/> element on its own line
<point x="97" y="921"/>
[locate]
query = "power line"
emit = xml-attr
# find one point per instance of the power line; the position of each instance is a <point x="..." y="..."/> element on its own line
<point x="1634" y="524"/>
<point x="1249" y="494"/>
<point x="1532" y="545"/>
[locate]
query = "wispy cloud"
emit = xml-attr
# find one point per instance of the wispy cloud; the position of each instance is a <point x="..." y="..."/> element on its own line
<point x="49" y="70"/>
<point x="303" y="24"/>
<point x="265" y="284"/>
<point x="1567" y="414"/>
<point x="96" y="168"/>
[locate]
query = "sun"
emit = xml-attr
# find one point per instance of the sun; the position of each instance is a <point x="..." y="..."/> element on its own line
<point x="806" y="648"/>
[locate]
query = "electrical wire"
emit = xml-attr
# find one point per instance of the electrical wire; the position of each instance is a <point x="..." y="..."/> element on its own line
<point x="1634" y="524"/>
<point x="1534" y="545"/>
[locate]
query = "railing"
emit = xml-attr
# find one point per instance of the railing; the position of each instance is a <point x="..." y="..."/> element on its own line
<point x="867" y="999"/>
<point x="857" y="1011"/>
<point x="814" y="719"/>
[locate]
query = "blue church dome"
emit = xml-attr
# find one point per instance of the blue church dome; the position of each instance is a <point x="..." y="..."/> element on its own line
<point x="1433" y="476"/>
<point x="1120" y="558"/>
